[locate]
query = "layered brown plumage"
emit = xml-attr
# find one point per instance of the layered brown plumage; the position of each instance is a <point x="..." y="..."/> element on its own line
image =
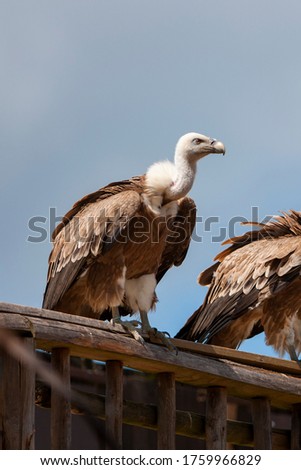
<point x="104" y="232"/>
<point x="254" y="286"/>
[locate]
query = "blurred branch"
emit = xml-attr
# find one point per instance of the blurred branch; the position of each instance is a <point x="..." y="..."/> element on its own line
<point x="13" y="346"/>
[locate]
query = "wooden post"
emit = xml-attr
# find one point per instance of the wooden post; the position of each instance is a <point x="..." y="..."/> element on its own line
<point x="166" y="411"/>
<point x="60" y="404"/>
<point x="114" y="402"/>
<point x="261" y="411"/>
<point x="216" y="418"/>
<point x="17" y="402"/>
<point x="296" y="427"/>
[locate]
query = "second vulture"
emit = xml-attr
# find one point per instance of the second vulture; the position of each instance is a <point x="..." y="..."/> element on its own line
<point x="254" y="286"/>
<point x="115" y="244"/>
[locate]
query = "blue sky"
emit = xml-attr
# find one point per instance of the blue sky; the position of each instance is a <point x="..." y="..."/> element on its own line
<point x="94" y="91"/>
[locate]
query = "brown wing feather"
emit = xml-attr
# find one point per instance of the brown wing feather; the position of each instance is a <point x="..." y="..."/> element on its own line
<point x="90" y="228"/>
<point x="289" y="223"/>
<point x="135" y="183"/>
<point x="178" y="239"/>
<point x="257" y="265"/>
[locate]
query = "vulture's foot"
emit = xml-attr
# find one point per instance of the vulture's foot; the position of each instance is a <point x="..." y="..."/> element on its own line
<point x="164" y="337"/>
<point x="130" y="327"/>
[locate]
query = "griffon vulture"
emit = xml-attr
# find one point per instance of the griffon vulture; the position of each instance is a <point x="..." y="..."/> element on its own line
<point x="115" y="244"/>
<point x="254" y="286"/>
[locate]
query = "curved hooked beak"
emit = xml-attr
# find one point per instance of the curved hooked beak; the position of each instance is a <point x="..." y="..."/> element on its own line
<point x="217" y="147"/>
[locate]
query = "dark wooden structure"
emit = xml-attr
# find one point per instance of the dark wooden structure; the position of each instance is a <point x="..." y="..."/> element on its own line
<point x="222" y="375"/>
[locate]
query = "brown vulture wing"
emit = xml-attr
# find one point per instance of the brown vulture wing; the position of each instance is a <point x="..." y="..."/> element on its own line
<point x="88" y="229"/>
<point x="263" y="264"/>
<point x="180" y="230"/>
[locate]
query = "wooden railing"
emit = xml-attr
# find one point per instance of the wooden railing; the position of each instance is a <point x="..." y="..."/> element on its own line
<point x="268" y="383"/>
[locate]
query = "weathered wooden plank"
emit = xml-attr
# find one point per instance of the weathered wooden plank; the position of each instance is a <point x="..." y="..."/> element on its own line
<point x="60" y="404"/>
<point x="113" y="407"/>
<point x="17" y="402"/>
<point x="216" y="418"/>
<point x="27" y="379"/>
<point x="261" y="412"/>
<point x="296" y="427"/>
<point x="21" y="315"/>
<point x="252" y="359"/>
<point x="196" y="369"/>
<point x="98" y="344"/>
<point x="258" y="360"/>
<point x="166" y="387"/>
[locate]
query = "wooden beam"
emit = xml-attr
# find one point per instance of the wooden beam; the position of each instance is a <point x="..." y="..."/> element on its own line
<point x="216" y="418"/>
<point x="100" y="341"/>
<point x="296" y="427"/>
<point x="16" y="319"/>
<point x="17" y="402"/>
<point x="60" y="404"/>
<point x="166" y="411"/>
<point x="96" y="340"/>
<point x="114" y="402"/>
<point x="261" y="411"/>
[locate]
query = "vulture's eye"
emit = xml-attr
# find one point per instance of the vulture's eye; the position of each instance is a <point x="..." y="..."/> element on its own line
<point x="197" y="141"/>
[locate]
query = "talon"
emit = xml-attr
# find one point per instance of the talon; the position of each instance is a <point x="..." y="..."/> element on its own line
<point x="137" y="336"/>
<point x="153" y="332"/>
<point x="130" y="327"/>
<point x="163" y="336"/>
<point x="166" y="334"/>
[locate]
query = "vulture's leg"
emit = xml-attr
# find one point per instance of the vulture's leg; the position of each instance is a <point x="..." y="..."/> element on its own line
<point x="163" y="336"/>
<point x="293" y="354"/>
<point x="129" y="326"/>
